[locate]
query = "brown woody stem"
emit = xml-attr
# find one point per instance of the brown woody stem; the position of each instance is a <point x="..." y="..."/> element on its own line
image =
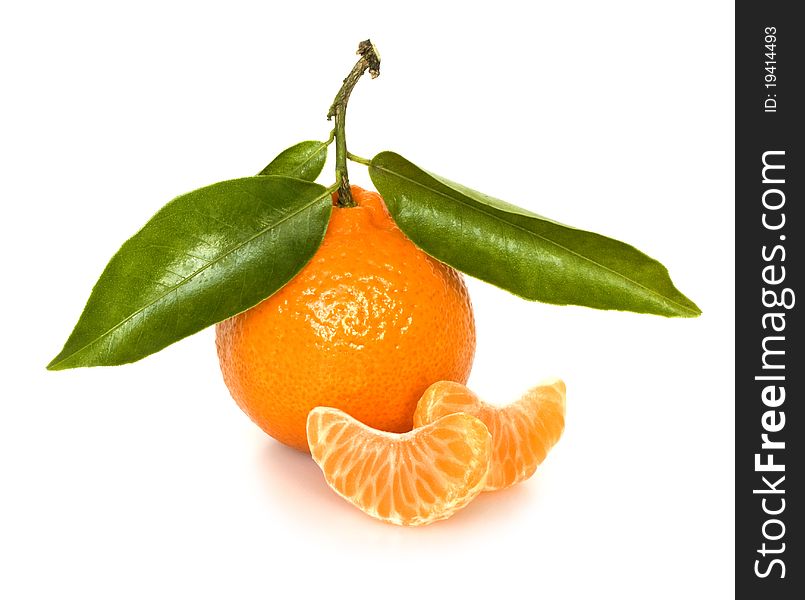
<point x="369" y="60"/>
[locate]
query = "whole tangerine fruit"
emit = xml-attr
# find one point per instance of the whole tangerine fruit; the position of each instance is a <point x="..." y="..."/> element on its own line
<point x="366" y="326"/>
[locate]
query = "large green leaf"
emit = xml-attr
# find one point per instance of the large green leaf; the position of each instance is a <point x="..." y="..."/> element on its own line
<point x="305" y="160"/>
<point x="204" y="257"/>
<point x="520" y="251"/>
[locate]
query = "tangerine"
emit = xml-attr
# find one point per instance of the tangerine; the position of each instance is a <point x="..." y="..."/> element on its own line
<point x="366" y="326"/>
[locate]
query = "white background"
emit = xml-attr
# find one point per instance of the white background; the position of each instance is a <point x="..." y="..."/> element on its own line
<point x="146" y="481"/>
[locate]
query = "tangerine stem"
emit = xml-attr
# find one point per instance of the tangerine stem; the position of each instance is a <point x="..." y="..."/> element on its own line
<point x="369" y="59"/>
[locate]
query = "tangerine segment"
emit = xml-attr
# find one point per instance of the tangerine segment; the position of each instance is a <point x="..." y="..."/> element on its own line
<point x="522" y="432"/>
<point x="411" y="478"/>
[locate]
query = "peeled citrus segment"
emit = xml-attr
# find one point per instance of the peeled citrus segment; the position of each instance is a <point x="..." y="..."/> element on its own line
<point x="411" y="478"/>
<point x="522" y="432"/>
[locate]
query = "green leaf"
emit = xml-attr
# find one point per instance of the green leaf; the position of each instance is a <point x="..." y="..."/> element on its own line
<point x="305" y="161"/>
<point x="204" y="257"/>
<point x="519" y="251"/>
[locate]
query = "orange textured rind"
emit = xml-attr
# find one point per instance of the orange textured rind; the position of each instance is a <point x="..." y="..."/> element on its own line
<point x="410" y="479"/>
<point x="522" y="432"/>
